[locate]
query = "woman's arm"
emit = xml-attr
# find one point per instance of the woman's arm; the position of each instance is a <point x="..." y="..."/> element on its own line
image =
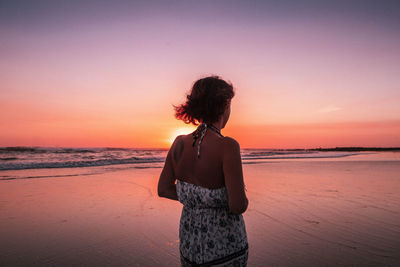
<point x="166" y="183"/>
<point x="232" y="166"/>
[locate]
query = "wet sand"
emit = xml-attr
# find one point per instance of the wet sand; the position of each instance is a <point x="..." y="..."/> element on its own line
<point x="324" y="212"/>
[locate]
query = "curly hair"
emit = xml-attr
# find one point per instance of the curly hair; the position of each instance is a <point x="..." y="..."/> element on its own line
<point x="206" y="101"/>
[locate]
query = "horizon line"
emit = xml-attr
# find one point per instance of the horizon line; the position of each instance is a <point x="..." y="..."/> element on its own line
<point x="261" y="148"/>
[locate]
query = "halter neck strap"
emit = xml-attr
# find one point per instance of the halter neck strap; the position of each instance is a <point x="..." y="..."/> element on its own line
<point x="201" y="132"/>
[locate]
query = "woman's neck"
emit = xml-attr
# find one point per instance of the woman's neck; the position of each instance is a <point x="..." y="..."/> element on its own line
<point x="218" y="124"/>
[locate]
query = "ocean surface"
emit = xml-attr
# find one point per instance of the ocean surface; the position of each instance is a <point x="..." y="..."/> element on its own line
<point x="19" y="158"/>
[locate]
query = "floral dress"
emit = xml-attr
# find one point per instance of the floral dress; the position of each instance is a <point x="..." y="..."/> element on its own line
<point x="210" y="235"/>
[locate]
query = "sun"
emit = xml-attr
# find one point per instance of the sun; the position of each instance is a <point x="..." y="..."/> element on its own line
<point x="180" y="131"/>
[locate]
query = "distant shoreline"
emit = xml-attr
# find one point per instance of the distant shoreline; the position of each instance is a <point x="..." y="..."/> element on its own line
<point x="345" y="149"/>
<point x="353" y="149"/>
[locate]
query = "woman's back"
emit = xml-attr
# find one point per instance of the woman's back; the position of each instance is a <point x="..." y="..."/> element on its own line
<point x="205" y="171"/>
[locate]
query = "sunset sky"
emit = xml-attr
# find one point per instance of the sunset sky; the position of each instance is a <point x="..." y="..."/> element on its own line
<point x="106" y="73"/>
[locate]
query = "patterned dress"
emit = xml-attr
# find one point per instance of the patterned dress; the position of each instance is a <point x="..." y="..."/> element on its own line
<point x="210" y="235"/>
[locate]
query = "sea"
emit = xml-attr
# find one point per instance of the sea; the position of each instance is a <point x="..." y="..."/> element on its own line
<point x="23" y="157"/>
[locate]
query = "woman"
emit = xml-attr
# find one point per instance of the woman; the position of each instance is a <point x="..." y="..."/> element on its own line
<point x="207" y="169"/>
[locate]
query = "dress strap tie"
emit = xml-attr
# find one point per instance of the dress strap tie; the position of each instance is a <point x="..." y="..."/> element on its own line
<point x="201" y="132"/>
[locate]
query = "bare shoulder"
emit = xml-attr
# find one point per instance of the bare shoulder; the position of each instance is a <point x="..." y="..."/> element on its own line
<point x="177" y="148"/>
<point x="178" y="143"/>
<point x="230" y="143"/>
<point x="179" y="137"/>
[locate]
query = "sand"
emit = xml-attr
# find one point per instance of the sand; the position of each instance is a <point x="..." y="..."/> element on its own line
<point x="325" y="212"/>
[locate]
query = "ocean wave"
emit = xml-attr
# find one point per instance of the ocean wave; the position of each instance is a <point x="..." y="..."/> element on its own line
<point x="73" y="150"/>
<point x="275" y="152"/>
<point x="19" y="158"/>
<point x="22" y="149"/>
<point x="26" y="149"/>
<point x="301" y="156"/>
<point x="76" y="164"/>
<point x="9" y="158"/>
<point x="33" y="149"/>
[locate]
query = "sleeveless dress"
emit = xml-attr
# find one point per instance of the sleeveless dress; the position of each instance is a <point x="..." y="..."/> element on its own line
<point x="209" y="234"/>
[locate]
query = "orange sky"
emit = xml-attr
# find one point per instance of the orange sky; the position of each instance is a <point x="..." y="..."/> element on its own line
<point x="324" y="77"/>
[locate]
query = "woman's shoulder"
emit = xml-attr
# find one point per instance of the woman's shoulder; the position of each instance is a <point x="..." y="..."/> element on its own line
<point x="230" y="142"/>
<point x="181" y="137"/>
<point x="230" y="146"/>
<point x="180" y="141"/>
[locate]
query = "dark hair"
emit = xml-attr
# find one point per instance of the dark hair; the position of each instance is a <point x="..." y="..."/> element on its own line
<point x="206" y="101"/>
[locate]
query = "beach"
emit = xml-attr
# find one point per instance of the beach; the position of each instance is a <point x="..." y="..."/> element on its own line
<point x="94" y="94"/>
<point x="339" y="211"/>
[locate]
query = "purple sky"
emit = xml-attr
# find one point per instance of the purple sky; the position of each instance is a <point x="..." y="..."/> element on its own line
<point x="122" y="64"/>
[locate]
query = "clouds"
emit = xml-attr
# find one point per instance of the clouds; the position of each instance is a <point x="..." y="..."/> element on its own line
<point x="329" y="108"/>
